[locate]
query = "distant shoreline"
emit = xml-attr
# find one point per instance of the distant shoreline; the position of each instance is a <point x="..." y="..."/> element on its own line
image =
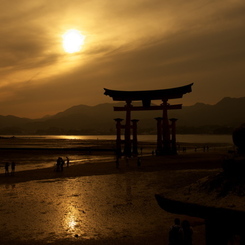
<point x="191" y="138"/>
<point x="208" y="160"/>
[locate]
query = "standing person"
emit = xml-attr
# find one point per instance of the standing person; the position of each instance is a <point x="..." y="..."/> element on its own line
<point x="58" y="164"/>
<point x="67" y="161"/>
<point x="13" y="168"/>
<point x="187" y="232"/>
<point x="175" y="233"/>
<point x="6" y="166"/>
<point x="61" y="164"/>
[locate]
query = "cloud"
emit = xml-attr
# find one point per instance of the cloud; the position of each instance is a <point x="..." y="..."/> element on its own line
<point x="129" y="45"/>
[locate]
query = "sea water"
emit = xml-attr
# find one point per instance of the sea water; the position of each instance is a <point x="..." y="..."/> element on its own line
<point x="41" y="151"/>
<point x="187" y="138"/>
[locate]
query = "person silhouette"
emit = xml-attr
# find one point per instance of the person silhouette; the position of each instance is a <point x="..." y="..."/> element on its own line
<point x="6" y="167"/>
<point x="61" y="164"/>
<point x="58" y="163"/>
<point x="175" y="233"/>
<point x="187" y="232"/>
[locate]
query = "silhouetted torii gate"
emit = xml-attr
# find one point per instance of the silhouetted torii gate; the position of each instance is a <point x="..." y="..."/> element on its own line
<point x="165" y="145"/>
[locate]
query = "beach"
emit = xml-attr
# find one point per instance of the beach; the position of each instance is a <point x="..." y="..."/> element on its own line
<point x="97" y="203"/>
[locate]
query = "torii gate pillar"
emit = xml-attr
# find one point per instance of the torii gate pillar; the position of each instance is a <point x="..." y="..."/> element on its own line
<point x="159" y="135"/>
<point x="118" y="140"/>
<point x="173" y="140"/>
<point x="127" y="142"/>
<point x="165" y="129"/>
<point x="135" y="140"/>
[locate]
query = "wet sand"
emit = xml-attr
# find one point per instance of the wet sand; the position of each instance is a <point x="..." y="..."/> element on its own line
<point x="96" y="203"/>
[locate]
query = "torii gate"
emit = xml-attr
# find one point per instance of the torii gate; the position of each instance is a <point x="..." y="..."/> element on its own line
<point x="165" y="145"/>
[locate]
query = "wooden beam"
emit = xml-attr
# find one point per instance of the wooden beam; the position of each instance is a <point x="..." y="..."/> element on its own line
<point x="148" y="108"/>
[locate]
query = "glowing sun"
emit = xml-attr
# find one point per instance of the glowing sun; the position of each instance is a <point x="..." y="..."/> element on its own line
<point x="73" y="41"/>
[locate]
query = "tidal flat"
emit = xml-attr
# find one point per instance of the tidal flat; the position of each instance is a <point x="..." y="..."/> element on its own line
<point x="97" y="203"/>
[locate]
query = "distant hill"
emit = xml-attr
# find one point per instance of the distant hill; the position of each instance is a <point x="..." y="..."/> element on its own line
<point x="220" y="118"/>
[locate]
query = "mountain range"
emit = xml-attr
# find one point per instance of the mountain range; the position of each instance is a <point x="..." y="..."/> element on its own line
<point x="220" y="118"/>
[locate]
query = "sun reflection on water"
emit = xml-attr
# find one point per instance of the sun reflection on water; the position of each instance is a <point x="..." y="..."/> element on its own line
<point x="71" y="219"/>
<point x="71" y="222"/>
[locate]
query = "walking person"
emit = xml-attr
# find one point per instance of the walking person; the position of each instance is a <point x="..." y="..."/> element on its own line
<point x="58" y="164"/>
<point x="61" y="164"/>
<point x="6" y="167"/>
<point x="175" y="233"/>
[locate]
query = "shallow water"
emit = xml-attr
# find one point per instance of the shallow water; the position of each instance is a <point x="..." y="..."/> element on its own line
<point x="32" y="152"/>
<point x="93" y="207"/>
<point x="32" y="161"/>
<point x="100" y="207"/>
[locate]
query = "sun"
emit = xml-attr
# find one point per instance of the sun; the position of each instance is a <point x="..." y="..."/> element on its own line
<point x="73" y="41"/>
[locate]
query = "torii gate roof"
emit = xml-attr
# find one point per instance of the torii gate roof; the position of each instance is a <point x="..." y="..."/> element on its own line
<point x="161" y="94"/>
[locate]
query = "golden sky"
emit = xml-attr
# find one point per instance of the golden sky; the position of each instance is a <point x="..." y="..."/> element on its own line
<point x="128" y="45"/>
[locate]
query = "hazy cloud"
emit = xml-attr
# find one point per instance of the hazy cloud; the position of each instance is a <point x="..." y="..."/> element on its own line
<point x="129" y="45"/>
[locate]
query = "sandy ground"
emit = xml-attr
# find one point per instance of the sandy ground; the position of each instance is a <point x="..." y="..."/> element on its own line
<point x="96" y="203"/>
